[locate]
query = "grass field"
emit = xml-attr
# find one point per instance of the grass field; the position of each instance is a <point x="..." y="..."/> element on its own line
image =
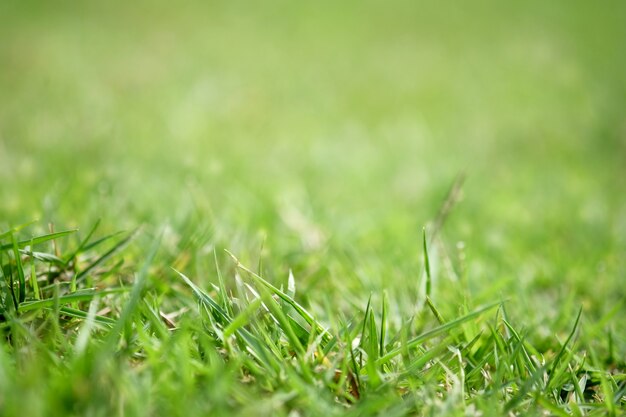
<point x="324" y="208"/>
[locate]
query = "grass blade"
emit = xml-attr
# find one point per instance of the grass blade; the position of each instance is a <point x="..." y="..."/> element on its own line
<point x="20" y="271"/>
<point x="80" y="314"/>
<point x="39" y="239"/>
<point x="83" y="295"/>
<point x="558" y="357"/>
<point x="427" y="265"/>
<point x="383" y="326"/>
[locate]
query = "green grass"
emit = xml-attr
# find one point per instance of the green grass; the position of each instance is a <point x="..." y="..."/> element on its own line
<point x="332" y="208"/>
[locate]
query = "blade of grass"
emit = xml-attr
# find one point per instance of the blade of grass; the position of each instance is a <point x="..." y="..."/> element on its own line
<point x="428" y="286"/>
<point x="280" y="317"/>
<point x="79" y="314"/>
<point x="20" y="271"/>
<point x="434" y="310"/>
<point x="372" y="352"/>
<point x="242" y="318"/>
<point x="33" y="281"/>
<point x="526" y="356"/>
<point x="8" y="277"/>
<point x="363" y="328"/>
<point x="44" y="257"/>
<point x="82" y="339"/>
<point x="38" y="239"/>
<point x="83" y="295"/>
<point x="383" y="326"/>
<point x="226" y="304"/>
<point x="558" y="357"/>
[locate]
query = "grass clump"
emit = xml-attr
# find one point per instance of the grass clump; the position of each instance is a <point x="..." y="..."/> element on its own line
<point x="244" y="345"/>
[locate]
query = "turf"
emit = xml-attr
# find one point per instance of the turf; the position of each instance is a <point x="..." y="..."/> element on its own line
<point x="329" y="208"/>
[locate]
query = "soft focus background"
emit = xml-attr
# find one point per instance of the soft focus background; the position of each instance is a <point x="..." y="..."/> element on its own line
<point x="322" y="137"/>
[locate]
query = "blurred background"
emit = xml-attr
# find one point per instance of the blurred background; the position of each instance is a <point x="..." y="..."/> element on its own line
<point x="322" y="136"/>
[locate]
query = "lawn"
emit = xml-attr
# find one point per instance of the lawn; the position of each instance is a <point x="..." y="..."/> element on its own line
<point x="324" y="208"/>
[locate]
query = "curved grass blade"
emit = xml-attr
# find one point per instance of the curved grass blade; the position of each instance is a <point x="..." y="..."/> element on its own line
<point x="37" y="240"/>
<point x="44" y="257"/>
<point x="80" y="314"/>
<point x="86" y="295"/>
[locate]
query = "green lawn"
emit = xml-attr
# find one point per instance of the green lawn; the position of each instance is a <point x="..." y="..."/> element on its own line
<point x="445" y="182"/>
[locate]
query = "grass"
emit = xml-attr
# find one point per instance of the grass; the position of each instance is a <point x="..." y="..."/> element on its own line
<point x="252" y="348"/>
<point x="410" y="208"/>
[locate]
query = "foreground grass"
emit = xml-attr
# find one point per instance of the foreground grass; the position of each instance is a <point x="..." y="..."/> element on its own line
<point x="85" y="335"/>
